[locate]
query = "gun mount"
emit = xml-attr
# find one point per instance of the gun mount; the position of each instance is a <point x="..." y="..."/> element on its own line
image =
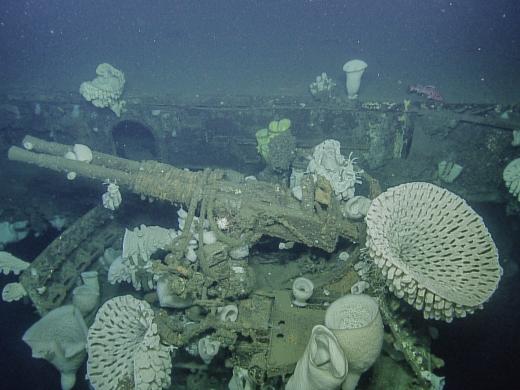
<point x="253" y="208"/>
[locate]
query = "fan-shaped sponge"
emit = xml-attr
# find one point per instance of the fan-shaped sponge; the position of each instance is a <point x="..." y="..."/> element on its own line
<point x="123" y="346"/>
<point x="433" y="249"/>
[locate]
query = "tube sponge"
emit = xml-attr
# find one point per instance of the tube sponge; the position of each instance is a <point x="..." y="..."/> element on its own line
<point x="323" y="365"/>
<point x="356" y="322"/>
<point x="86" y="296"/>
<point x="60" y="337"/>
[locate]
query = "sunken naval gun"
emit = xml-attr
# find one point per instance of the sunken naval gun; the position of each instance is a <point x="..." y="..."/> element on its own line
<point x="252" y="208"/>
<point x="217" y="303"/>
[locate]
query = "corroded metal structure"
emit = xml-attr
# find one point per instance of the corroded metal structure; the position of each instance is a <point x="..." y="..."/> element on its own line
<point x="253" y="208"/>
<point x="52" y="275"/>
<point x="393" y="141"/>
<point x="220" y="132"/>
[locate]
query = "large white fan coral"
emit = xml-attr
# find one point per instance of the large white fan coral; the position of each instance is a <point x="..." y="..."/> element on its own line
<point x="433" y="250"/>
<point x="124" y="347"/>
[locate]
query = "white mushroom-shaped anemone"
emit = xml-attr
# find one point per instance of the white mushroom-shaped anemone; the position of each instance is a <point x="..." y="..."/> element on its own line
<point x="302" y="290"/>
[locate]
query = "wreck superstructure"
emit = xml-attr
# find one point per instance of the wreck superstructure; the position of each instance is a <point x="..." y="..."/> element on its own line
<point x="269" y="333"/>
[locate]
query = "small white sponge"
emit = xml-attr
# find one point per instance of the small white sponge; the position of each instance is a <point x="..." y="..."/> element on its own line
<point x="13" y="292"/>
<point x="10" y="263"/>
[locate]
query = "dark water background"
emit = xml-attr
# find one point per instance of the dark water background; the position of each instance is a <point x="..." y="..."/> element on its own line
<point x="469" y="49"/>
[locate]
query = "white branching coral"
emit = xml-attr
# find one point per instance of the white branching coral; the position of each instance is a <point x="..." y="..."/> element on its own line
<point x="123" y="346"/>
<point x="433" y="250"/>
<point x="138" y="246"/>
<point x="223" y="223"/>
<point x="106" y="89"/>
<point x="323" y="88"/>
<point x="12" y="264"/>
<point x="327" y="161"/>
<point x="112" y="197"/>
